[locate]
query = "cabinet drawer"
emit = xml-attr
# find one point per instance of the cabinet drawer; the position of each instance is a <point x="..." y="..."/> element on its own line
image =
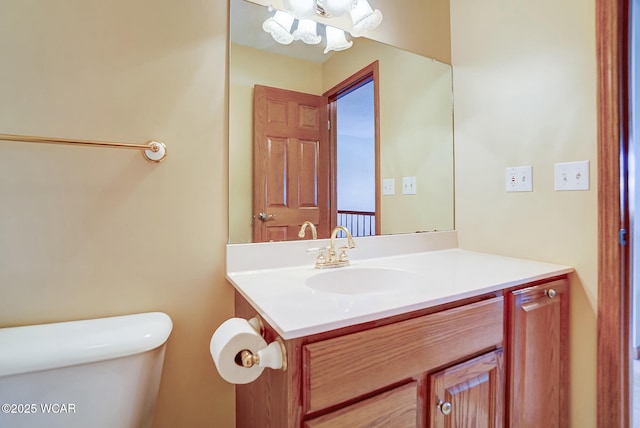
<point x="346" y="367"/>
<point x="397" y="408"/>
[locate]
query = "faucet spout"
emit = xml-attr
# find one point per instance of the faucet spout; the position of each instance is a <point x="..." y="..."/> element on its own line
<point x="334" y="234"/>
<point x="303" y="229"/>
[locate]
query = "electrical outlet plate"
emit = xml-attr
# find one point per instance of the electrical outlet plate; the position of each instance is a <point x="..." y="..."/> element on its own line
<point x="519" y="179"/>
<point x="388" y="186"/>
<point x="571" y="176"/>
<point x="409" y="185"/>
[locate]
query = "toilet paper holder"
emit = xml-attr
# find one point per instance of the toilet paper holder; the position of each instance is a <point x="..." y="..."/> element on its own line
<point x="273" y="356"/>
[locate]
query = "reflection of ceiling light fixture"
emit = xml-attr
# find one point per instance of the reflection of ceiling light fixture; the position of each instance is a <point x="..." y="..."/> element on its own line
<point x="335" y="7"/>
<point x="296" y="23"/>
<point x="336" y="40"/>
<point x="279" y="25"/>
<point x="307" y="31"/>
<point x="301" y="8"/>
<point x="364" y="18"/>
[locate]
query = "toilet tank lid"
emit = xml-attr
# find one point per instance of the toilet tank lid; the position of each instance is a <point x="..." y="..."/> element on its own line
<point x="48" y="346"/>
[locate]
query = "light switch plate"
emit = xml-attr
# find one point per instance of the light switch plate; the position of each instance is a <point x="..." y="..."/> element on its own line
<point x="409" y="185"/>
<point x="571" y="176"/>
<point x="388" y="186"/>
<point x="519" y="179"/>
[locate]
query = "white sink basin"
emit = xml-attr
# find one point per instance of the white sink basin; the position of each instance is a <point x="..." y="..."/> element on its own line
<point x="353" y="280"/>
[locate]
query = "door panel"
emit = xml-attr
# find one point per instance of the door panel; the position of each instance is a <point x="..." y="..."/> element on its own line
<point x="472" y="390"/>
<point x="309" y="174"/>
<point x="539" y="358"/>
<point x="275" y="181"/>
<point x="291" y="163"/>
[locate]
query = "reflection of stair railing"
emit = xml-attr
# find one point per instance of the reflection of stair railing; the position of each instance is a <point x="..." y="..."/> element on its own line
<point x="359" y="223"/>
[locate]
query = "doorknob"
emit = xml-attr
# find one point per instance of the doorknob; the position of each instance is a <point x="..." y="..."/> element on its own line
<point x="265" y="216"/>
<point x="445" y="407"/>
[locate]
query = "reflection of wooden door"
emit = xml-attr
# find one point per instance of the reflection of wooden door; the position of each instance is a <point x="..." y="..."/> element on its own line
<point x="290" y="163"/>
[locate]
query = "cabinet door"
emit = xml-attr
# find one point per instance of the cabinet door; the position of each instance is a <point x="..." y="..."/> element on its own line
<point x="397" y="408"/>
<point x="539" y="352"/>
<point x="470" y="394"/>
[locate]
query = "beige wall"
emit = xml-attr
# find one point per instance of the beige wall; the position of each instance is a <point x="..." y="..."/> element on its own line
<point x="525" y="94"/>
<point x="420" y="26"/>
<point x="90" y="232"/>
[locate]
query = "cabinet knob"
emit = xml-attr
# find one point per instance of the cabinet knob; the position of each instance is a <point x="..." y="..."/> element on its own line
<point x="445" y="407"/>
<point x="551" y="293"/>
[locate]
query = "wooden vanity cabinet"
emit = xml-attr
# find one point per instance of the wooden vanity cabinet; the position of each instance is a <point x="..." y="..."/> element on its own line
<point x="539" y="356"/>
<point x="396" y="408"/>
<point x="409" y="370"/>
<point x="469" y="394"/>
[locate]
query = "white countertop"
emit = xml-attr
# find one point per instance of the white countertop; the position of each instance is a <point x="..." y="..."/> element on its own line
<point x="293" y="309"/>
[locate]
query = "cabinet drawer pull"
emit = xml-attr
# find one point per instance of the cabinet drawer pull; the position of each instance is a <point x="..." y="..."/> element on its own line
<point x="550" y="293"/>
<point x="445" y="407"/>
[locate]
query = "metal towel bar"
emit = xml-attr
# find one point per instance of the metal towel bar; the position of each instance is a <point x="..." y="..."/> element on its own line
<point x="153" y="151"/>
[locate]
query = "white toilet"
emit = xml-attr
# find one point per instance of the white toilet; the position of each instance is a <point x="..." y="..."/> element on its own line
<point x="102" y="373"/>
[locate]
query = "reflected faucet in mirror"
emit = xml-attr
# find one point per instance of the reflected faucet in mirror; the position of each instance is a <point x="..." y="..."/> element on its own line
<point x="303" y="229"/>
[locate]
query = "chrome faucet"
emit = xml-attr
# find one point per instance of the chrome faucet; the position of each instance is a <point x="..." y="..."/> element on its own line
<point x="303" y="229"/>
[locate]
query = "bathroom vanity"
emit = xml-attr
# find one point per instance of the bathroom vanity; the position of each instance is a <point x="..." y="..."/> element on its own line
<point x="477" y="340"/>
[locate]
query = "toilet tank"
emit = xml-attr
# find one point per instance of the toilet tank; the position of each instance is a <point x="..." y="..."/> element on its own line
<point x="102" y="373"/>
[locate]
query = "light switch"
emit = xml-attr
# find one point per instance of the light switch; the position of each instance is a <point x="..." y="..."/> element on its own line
<point x="571" y="176"/>
<point x="409" y="185"/>
<point x="388" y="186"/>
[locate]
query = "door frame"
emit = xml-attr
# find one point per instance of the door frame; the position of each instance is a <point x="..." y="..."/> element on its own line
<point x="351" y="83"/>
<point x="614" y="300"/>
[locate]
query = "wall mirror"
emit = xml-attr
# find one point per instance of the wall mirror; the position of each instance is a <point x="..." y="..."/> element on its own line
<point x="415" y="118"/>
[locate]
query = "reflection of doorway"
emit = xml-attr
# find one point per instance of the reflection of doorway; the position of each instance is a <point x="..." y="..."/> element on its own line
<point x="290" y="168"/>
<point x="353" y="110"/>
<point x="300" y="173"/>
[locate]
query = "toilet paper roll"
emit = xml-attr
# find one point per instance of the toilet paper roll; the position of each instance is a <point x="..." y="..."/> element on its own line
<point x="235" y="335"/>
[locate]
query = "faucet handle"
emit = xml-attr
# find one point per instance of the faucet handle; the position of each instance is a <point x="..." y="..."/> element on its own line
<point x="343" y="257"/>
<point x="321" y="259"/>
